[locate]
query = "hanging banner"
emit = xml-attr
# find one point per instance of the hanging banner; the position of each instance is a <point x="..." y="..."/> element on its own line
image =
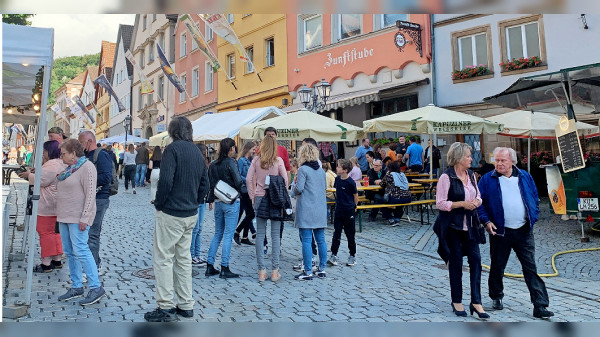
<point x="58" y="111"/>
<point x="103" y="82"/>
<point x="168" y="70"/>
<point x="79" y="103"/>
<point x="219" y="24"/>
<point x="200" y="41"/>
<point x="144" y="82"/>
<point x="76" y="111"/>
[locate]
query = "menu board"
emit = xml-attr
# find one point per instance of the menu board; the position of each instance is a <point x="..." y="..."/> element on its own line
<point x="569" y="146"/>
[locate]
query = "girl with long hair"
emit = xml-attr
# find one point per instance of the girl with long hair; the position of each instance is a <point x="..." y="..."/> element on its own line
<point x="244" y="161"/>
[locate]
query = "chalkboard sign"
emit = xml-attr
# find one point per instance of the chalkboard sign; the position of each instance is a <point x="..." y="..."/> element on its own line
<point x="570" y="152"/>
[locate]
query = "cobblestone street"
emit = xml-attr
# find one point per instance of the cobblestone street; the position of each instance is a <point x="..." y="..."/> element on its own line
<point x="398" y="276"/>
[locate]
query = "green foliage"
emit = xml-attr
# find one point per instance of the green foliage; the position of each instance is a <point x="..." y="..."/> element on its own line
<point x="17" y="19"/>
<point x="67" y="68"/>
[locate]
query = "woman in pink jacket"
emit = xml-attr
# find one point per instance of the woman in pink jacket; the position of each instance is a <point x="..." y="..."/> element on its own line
<point x="50" y="243"/>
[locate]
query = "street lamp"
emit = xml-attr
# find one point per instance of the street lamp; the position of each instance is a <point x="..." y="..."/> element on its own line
<point x="310" y="97"/>
<point x="127" y="123"/>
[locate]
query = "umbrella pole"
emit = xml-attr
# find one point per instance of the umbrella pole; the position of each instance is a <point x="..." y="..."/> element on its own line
<point x="529" y="154"/>
<point x="432" y="137"/>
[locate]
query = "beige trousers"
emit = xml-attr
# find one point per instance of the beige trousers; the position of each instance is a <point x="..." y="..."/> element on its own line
<point x="172" y="260"/>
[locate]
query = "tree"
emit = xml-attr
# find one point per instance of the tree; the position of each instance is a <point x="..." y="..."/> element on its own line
<point x="17" y="19"/>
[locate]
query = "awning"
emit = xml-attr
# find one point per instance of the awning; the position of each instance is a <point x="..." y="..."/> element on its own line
<point x="362" y="96"/>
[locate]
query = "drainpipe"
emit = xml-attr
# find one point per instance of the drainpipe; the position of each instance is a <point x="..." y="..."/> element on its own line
<point x="433" y="82"/>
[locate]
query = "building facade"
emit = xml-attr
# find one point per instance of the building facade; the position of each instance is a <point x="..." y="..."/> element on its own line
<point x="121" y="81"/>
<point x="102" y="98"/>
<point x="152" y="112"/>
<point x="69" y="89"/>
<point x="462" y="41"/>
<point x="87" y="93"/>
<point x="374" y="68"/>
<point x="264" y="38"/>
<point x="195" y="72"/>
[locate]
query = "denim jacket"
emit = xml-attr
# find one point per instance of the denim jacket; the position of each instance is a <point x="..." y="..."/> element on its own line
<point x="243" y="165"/>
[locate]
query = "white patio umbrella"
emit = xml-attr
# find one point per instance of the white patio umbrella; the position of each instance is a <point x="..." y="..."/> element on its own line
<point x="432" y="120"/>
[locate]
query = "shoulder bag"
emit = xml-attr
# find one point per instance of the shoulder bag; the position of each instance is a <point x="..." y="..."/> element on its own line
<point x="226" y="193"/>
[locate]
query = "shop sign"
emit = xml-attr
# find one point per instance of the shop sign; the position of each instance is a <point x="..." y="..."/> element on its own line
<point x="413" y="30"/>
<point x="445" y="127"/>
<point x="348" y="57"/>
<point x="160" y="118"/>
<point x="288" y="133"/>
<point x="161" y="128"/>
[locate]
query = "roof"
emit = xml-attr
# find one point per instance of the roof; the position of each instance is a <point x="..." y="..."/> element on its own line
<point x="78" y="79"/>
<point x="107" y="54"/>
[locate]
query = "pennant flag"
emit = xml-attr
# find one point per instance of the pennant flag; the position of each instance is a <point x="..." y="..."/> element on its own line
<point x="103" y="82"/>
<point x="168" y="70"/>
<point x="58" y="111"/>
<point x="145" y="83"/>
<point x="219" y="24"/>
<point x="200" y="41"/>
<point x="80" y="104"/>
<point x="75" y="109"/>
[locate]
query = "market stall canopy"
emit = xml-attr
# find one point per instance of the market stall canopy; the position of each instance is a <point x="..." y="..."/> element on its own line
<point x="538" y="125"/>
<point x="546" y="93"/>
<point x="432" y="120"/>
<point x="303" y="124"/>
<point x="121" y="140"/>
<point x="161" y="139"/>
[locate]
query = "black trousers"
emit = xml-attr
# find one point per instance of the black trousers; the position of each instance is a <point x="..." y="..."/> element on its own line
<point x="130" y="175"/>
<point x="344" y="220"/>
<point x="246" y="224"/>
<point x="522" y="242"/>
<point x="460" y="245"/>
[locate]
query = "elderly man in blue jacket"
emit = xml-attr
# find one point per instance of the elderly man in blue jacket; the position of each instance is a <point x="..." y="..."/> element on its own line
<point x="509" y="210"/>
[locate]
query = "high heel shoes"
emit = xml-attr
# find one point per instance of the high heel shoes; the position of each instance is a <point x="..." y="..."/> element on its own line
<point x="458" y="313"/>
<point x="481" y="315"/>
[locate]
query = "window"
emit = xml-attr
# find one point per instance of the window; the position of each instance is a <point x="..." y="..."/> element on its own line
<point x="313" y="32"/>
<point x="195" y="82"/>
<point x="194" y="44"/>
<point x="230" y="18"/>
<point x="346" y="25"/>
<point x="151" y="53"/>
<point x="208" y="32"/>
<point x="270" y="52"/>
<point x="161" y="88"/>
<point x="381" y="21"/>
<point x="150" y="96"/>
<point x="161" y="40"/>
<point x="140" y="98"/>
<point x="183" y="83"/>
<point x="144" y="22"/>
<point x="153" y="17"/>
<point x="249" y="65"/>
<point x="182" y="45"/>
<point x="472" y="50"/>
<point x="231" y="65"/>
<point x="142" y="57"/>
<point x="208" y="77"/>
<point x="523" y="37"/>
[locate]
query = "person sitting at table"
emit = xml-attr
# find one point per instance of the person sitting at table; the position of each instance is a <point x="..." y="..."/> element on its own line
<point x="370" y="155"/>
<point x="396" y="191"/>
<point x="356" y="173"/>
<point x="375" y="175"/>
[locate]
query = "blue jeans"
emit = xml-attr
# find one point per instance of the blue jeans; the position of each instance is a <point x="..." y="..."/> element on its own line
<point x="226" y="217"/>
<point x="307" y="236"/>
<point x="140" y="174"/>
<point x="197" y="233"/>
<point x="75" y="246"/>
<point x="94" y="235"/>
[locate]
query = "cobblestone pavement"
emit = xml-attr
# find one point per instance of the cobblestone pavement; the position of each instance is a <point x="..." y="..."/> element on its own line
<point x="398" y="276"/>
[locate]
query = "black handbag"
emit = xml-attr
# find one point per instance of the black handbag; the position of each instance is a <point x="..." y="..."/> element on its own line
<point x="56" y="228"/>
<point x="480" y="228"/>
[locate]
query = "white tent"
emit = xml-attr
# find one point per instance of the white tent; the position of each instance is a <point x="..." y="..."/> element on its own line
<point x="25" y="52"/>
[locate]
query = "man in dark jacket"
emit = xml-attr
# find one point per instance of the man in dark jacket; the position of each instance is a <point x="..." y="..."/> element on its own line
<point x="509" y="209"/>
<point x="142" y="159"/>
<point x="182" y="186"/>
<point x="104" y="167"/>
<point x="375" y="175"/>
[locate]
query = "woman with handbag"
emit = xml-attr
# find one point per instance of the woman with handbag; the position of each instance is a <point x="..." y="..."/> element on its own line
<point x="458" y="228"/>
<point x="225" y="188"/>
<point x="50" y="243"/>
<point x="264" y="165"/>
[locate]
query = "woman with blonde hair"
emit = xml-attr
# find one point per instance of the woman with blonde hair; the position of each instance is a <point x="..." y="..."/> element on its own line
<point x="356" y="173"/>
<point x="266" y="164"/>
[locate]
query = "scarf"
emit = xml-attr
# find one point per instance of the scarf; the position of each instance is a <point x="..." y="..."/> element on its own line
<point x="72" y="169"/>
<point x="400" y="180"/>
<point x="312" y="164"/>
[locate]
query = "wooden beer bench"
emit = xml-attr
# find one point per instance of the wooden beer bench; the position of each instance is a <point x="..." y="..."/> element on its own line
<point x="421" y="204"/>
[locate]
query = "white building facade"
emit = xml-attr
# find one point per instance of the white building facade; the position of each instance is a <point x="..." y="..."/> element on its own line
<point x="121" y="81"/>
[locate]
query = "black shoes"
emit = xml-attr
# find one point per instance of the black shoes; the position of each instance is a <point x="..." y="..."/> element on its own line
<point x="236" y="238"/>
<point x="497" y="304"/>
<point x="181" y="312"/>
<point x="56" y="264"/>
<point x="211" y="271"/>
<point x="542" y="312"/>
<point x="458" y="313"/>
<point x="481" y="315"/>
<point x="226" y="273"/>
<point x="161" y="315"/>
<point x="247" y="241"/>
<point x="42" y="268"/>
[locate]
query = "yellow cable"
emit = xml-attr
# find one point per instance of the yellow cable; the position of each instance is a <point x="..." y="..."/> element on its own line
<point x="553" y="264"/>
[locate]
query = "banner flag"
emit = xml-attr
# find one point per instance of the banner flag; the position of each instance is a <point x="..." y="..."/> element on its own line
<point x="79" y="103"/>
<point x="168" y="70"/>
<point x="145" y="83"/>
<point x="200" y="41"/>
<point x="219" y="24"/>
<point x="58" y="112"/>
<point x="103" y="82"/>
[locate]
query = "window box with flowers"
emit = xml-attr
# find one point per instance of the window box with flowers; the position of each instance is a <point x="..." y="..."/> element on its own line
<point x="470" y="73"/>
<point x="522" y="65"/>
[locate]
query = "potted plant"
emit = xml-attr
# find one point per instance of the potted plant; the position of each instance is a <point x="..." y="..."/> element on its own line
<point x="521" y="63"/>
<point x="470" y="72"/>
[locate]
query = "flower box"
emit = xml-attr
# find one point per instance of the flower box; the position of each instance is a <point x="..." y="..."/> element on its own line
<point x="470" y="72"/>
<point x="521" y="63"/>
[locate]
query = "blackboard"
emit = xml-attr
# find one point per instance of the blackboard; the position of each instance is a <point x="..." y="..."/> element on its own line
<point x="570" y="152"/>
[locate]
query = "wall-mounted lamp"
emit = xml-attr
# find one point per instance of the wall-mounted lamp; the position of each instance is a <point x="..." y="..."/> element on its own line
<point x="584" y="21"/>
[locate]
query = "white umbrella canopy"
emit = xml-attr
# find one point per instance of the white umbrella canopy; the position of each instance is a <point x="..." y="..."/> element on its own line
<point x="537" y="125"/>
<point x="304" y="124"/>
<point x="161" y="139"/>
<point x="432" y="120"/>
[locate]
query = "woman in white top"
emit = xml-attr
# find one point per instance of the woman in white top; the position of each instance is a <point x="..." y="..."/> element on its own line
<point x="356" y="173"/>
<point x="129" y="163"/>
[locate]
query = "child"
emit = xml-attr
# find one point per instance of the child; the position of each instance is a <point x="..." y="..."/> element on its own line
<point x="345" y="206"/>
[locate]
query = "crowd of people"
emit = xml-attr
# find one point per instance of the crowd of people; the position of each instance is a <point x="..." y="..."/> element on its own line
<point x="253" y="188"/>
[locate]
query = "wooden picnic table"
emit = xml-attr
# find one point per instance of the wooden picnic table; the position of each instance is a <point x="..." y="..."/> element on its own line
<point x="431" y="182"/>
<point x="416" y="174"/>
<point x="374" y="187"/>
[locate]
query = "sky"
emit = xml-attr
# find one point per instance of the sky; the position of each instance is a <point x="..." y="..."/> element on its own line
<point x="80" y="34"/>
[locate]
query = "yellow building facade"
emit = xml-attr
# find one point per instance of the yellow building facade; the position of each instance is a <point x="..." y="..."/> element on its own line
<point x="264" y="39"/>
